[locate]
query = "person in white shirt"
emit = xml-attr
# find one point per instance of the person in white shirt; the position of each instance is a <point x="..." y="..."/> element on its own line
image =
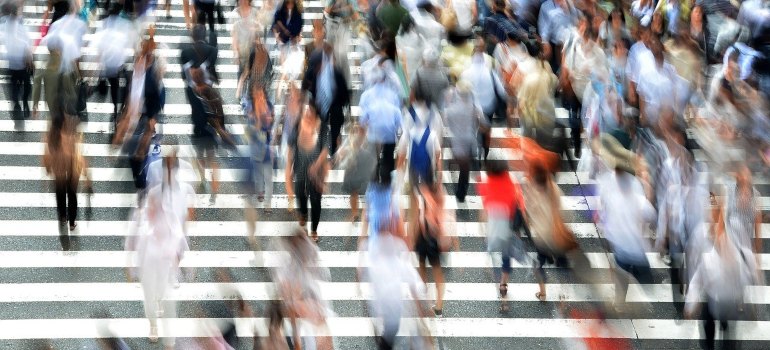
<point x="656" y="88"/>
<point x="426" y="24"/>
<point x="624" y="211"/>
<point x="389" y="268"/>
<point x="487" y="86"/>
<point x="14" y="37"/>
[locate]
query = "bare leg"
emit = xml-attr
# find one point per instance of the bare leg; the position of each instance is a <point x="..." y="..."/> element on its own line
<point x="438" y="278"/>
<point x="353" y="205"/>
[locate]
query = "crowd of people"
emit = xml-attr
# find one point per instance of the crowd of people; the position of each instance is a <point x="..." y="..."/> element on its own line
<point x="663" y="105"/>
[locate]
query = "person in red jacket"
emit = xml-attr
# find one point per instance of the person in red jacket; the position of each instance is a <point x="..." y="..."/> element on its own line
<point x="502" y="199"/>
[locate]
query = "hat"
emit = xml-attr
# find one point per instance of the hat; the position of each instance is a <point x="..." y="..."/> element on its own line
<point x="615" y="156"/>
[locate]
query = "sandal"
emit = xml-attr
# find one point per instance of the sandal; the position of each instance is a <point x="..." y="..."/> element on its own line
<point x="437" y="312"/>
<point x="540" y="296"/>
<point x="504" y="307"/>
<point x="314" y="237"/>
<point x="503" y="289"/>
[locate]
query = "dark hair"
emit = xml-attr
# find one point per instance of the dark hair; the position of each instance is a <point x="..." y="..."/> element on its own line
<point x="9" y="9"/>
<point x="407" y="24"/>
<point x="497" y="167"/>
<point x="198" y="32"/>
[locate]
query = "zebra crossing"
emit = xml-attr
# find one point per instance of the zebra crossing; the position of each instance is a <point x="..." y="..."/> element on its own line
<point x="49" y="294"/>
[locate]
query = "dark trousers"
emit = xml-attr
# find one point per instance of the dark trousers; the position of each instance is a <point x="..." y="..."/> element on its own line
<point x="66" y="201"/>
<point x="464" y="179"/>
<point x="206" y="14"/>
<point x="709" y="330"/>
<point x="334" y="133"/>
<point x="642" y="273"/>
<point x="573" y="107"/>
<point x="19" y="90"/>
<point x="386" y="162"/>
<point x="305" y="190"/>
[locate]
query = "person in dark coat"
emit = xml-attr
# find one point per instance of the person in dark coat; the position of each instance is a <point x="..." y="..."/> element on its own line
<point x="198" y="54"/>
<point x="287" y="23"/>
<point x="330" y="90"/>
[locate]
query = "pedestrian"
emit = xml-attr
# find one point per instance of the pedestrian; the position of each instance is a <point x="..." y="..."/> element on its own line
<point x="18" y="53"/>
<point x="245" y="29"/>
<point x="464" y="118"/>
<point x="381" y="121"/>
<point x="199" y="53"/>
<point x="430" y="78"/>
<point x="63" y="159"/>
<point x="58" y="87"/>
<point x="330" y="91"/>
<point x="298" y="280"/>
<point x="389" y="268"/>
<point x="430" y="240"/>
<point x="260" y="138"/>
<point x="502" y="198"/>
<point x="205" y="11"/>
<point x="287" y="23"/>
<point x="307" y="167"/>
<point x="359" y="162"/>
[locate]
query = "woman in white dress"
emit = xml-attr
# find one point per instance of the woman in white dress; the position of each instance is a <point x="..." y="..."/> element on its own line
<point x="160" y="245"/>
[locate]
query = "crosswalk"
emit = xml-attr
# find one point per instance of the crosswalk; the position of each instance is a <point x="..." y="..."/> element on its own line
<point x="49" y="294"/>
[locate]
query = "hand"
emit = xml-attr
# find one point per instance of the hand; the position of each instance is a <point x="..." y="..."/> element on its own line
<point x="291" y="203"/>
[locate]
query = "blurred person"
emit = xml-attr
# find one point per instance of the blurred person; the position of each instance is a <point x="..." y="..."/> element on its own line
<point x="410" y="44"/>
<point x="426" y="23"/>
<point x="63" y="159"/>
<point x="58" y="88"/>
<point x="502" y="199"/>
<point x="381" y="209"/>
<point x="456" y="56"/>
<point x="287" y="22"/>
<point x="699" y="30"/>
<point x="137" y="127"/>
<point x="18" y="53"/>
<point x="535" y="95"/>
<point x="657" y="89"/>
<point x="488" y="89"/>
<point x="430" y="240"/>
<point x="205" y="9"/>
<point x="419" y="152"/>
<point x="245" y="28"/>
<point x="512" y="58"/>
<point x="389" y="268"/>
<point x="381" y="69"/>
<point x="359" y="161"/>
<point x="161" y="247"/>
<point x="614" y="29"/>
<point x="643" y="10"/>
<point x="466" y="13"/>
<point x="391" y="15"/>
<point x="307" y="167"/>
<point x="464" y="118"/>
<point x="258" y="71"/>
<point x="550" y="237"/>
<point x="640" y="57"/>
<point x="381" y="120"/>
<point x="297" y="279"/>
<point x="742" y="216"/>
<point x="430" y="78"/>
<point x="498" y="25"/>
<point x="259" y="135"/>
<point x="116" y="36"/>
<point x="556" y="19"/>
<point x="330" y="91"/>
<point x="581" y="57"/>
<point x="208" y="127"/>
<point x="199" y="54"/>
<point x="340" y="16"/>
<point x="287" y="121"/>
<point x="625" y="210"/>
<point x="725" y="270"/>
<point x="70" y="30"/>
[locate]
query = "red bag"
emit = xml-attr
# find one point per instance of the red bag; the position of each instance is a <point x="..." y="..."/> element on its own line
<point x="43" y="32"/>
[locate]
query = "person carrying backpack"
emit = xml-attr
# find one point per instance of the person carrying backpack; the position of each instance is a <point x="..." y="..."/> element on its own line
<point x="420" y="149"/>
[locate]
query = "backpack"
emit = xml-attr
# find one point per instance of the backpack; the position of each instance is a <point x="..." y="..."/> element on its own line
<point x="419" y="157"/>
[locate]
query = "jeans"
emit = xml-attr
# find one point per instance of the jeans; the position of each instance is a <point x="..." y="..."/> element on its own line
<point x="305" y="190"/>
<point x="263" y="176"/>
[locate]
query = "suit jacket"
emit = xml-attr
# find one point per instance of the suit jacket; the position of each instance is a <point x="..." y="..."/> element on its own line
<point x="197" y="53"/>
<point x="342" y="92"/>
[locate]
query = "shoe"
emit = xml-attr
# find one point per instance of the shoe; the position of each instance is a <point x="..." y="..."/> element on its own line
<point x="153" y="334"/>
<point x="437" y="312"/>
<point x="261" y="198"/>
